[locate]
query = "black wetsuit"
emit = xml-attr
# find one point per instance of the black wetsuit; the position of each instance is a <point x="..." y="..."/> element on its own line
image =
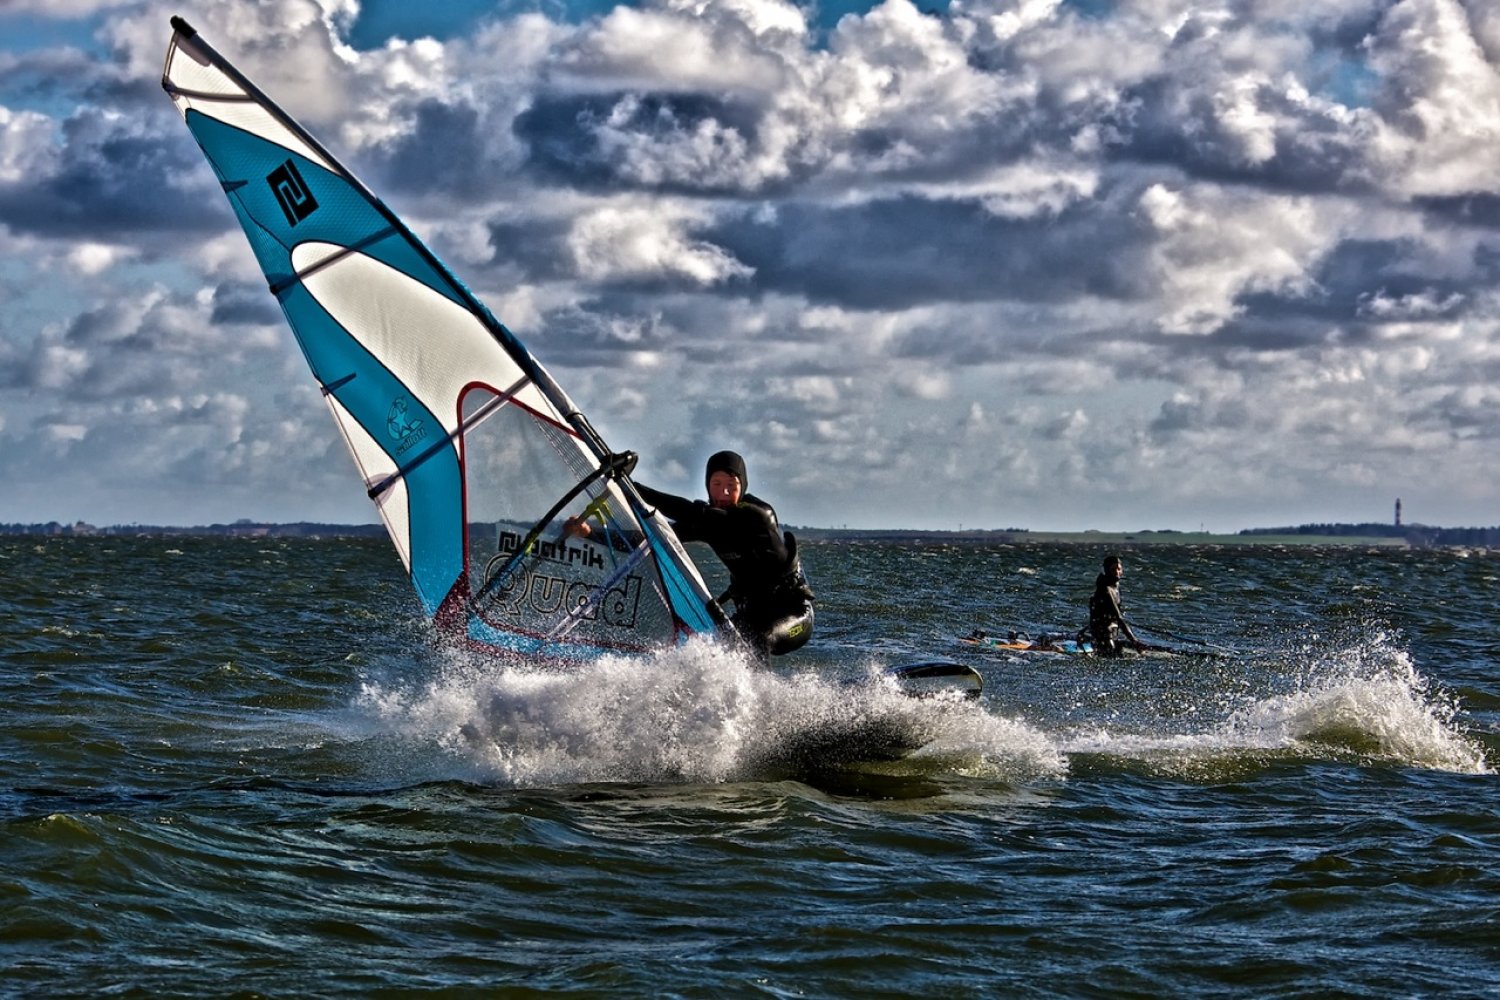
<point x="1106" y="616"/>
<point x="772" y="601"/>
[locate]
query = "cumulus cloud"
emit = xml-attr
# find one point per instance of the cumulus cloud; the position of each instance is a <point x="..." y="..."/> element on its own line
<point x="646" y="243"/>
<point x="1210" y="247"/>
<point x="27" y="144"/>
<point x="1238" y="257"/>
<point x="63" y="9"/>
<point x="1439" y="126"/>
<point x="682" y="46"/>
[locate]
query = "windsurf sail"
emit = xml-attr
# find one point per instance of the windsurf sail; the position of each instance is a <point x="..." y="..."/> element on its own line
<point x="472" y="453"/>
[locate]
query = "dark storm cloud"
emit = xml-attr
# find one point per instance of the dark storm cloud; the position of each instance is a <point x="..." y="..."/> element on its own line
<point x="1481" y="209"/>
<point x="560" y="142"/>
<point x="1470" y="413"/>
<point x="1182" y="415"/>
<point x="1183" y="128"/>
<point x="532" y="248"/>
<point x="909" y="251"/>
<point x="1270" y="325"/>
<point x="566" y="133"/>
<point x="444" y="151"/>
<point x="111" y="178"/>
<point x="599" y="141"/>
<point x="587" y="334"/>
<point x="40" y="77"/>
<point x="1343" y="282"/>
<point x="605" y="329"/>
<point x="142" y="348"/>
<point x="238" y="302"/>
<point x="1342" y="301"/>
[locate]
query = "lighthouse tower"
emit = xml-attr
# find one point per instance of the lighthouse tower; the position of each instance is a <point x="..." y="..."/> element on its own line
<point x="1398" y="512"/>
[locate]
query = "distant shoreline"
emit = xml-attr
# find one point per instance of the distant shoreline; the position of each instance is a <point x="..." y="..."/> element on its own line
<point x="1366" y="535"/>
<point x="1101" y="538"/>
<point x="1415" y="537"/>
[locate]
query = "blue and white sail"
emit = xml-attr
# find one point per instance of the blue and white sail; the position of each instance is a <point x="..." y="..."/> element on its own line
<point x="472" y="453"/>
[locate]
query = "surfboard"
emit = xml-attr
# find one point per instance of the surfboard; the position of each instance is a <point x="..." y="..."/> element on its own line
<point x="933" y="678"/>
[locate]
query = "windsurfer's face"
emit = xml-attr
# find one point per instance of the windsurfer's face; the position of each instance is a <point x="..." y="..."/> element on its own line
<point x="723" y="489"/>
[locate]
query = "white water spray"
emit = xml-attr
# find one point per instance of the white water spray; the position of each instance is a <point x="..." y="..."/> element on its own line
<point x="696" y="713"/>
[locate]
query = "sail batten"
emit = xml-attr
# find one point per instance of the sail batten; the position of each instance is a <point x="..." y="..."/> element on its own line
<point x="337" y="254"/>
<point x="470" y="450"/>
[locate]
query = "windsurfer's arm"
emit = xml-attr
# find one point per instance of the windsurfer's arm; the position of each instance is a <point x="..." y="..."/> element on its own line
<point x="1125" y="628"/>
<point x="676" y="508"/>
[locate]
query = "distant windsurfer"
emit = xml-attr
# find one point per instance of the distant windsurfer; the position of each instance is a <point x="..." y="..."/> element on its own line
<point x="773" y="604"/>
<point x="1106" y="615"/>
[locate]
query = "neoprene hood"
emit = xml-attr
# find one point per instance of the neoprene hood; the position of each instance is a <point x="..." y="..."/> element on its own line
<point x="730" y="462"/>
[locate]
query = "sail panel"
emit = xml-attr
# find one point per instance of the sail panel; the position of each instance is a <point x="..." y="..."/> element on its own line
<point x="380" y="306"/>
<point x="386" y="489"/>
<point x="394" y="419"/>
<point x="201" y="86"/>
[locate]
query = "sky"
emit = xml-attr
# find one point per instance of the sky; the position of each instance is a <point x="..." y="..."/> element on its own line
<point x="1045" y="264"/>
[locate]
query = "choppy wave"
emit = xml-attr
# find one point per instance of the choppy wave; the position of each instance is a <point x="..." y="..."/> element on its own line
<point x="228" y="761"/>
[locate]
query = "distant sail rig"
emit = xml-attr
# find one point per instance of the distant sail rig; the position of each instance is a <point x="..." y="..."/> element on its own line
<point x="472" y="453"/>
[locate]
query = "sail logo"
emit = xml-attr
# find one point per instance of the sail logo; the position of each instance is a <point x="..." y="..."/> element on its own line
<point x="291" y="192"/>
<point x="406" y="429"/>
<point x="538" y="592"/>
<point x="534" y="593"/>
<point x="560" y="552"/>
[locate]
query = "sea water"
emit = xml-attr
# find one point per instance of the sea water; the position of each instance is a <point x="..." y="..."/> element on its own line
<point x="240" y="767"/>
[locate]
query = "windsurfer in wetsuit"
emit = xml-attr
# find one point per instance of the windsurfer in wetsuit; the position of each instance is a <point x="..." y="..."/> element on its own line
<point x="1106" y="616"/>
<point x="773" y="604"/>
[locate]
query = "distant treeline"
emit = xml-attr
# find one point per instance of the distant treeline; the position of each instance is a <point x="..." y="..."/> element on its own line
<point x="1415" y="534"/>
<point x="239" y="529"/>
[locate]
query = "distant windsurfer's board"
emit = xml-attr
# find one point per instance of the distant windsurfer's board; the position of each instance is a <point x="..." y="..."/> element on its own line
<point x="1019" y="644"/>
<point x="1016" y="643"/>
